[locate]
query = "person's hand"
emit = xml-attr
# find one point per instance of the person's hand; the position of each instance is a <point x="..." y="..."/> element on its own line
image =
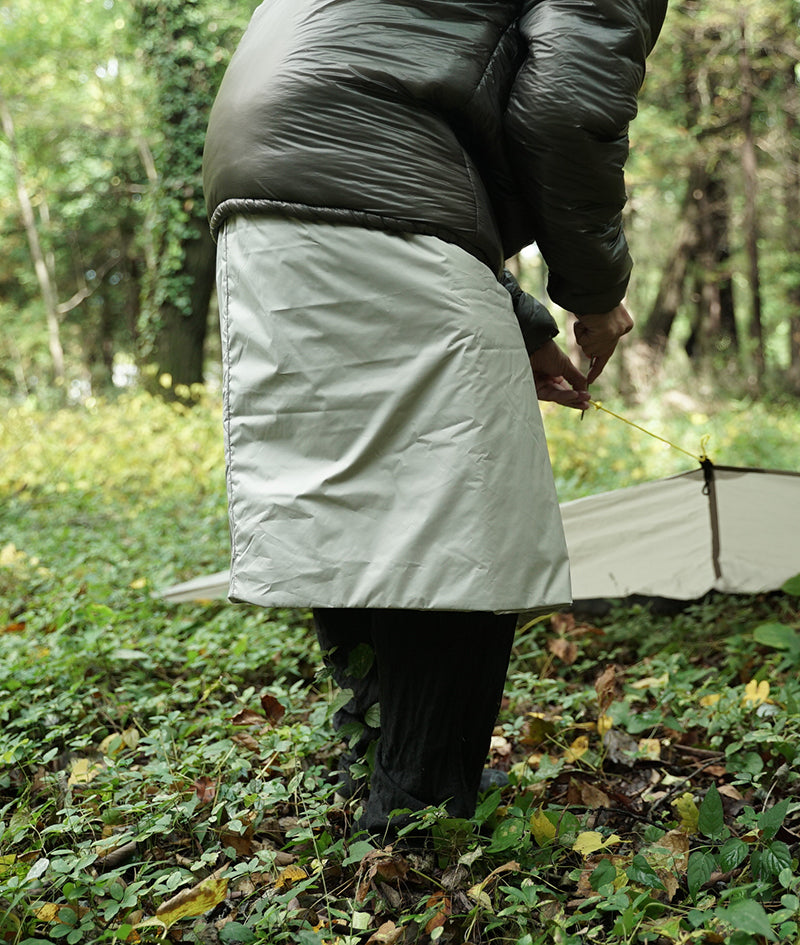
<point x="557" y="378"/>
<point x="598" y="336"/>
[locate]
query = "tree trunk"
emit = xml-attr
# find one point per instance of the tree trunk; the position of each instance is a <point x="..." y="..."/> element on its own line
<point x="750" y="172"/>
<point x="181" y="338"/>
<point x="791" y="218"/>
<point x="714" y="324"/>
<point x="656" y="331"/>
<point x="46" y="286"/>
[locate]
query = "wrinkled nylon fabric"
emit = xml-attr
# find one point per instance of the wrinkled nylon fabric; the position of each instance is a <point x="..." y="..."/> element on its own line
<point x="384" y="441"/>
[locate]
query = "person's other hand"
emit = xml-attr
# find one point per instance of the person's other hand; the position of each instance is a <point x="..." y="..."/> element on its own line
<point x="557" y="378"/>
<point x="598" y="336"/>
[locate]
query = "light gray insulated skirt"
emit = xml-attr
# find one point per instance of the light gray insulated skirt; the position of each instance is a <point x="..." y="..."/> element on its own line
<point x="383" y="438"/>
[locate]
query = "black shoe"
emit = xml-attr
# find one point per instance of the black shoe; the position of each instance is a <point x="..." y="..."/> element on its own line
<point x="491" y="778"/>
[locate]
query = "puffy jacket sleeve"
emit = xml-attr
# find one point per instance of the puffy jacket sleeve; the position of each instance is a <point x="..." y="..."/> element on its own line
<point x="536" y="324"/>
<point x="566" y="125"/>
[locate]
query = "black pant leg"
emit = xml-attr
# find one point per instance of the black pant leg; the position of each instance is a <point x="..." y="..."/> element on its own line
<point x="345" y="638"/>
<point x="441" y="678"/>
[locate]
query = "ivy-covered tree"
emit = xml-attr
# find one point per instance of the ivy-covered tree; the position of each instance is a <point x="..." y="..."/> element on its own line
<point x="184" y="47"/>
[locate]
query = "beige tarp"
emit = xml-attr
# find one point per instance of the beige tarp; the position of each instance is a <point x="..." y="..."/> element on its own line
<point x="676" y="538"/>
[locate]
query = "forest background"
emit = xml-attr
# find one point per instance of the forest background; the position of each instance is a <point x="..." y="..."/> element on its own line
<point x="165" y="770"/>
<point x="107" y="267"/>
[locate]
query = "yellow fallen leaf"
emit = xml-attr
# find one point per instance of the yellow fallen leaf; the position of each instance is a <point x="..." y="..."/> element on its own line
<point x="9" y="555"/>
<point x="755" y="693"/>
<point x="288" y="877"/>
<point x="478" y="895"/>
<point x="651" y="682"/>
<point x="577" y="749"/>
<point x="138" y="584"/>
<point x="709" y="700"/>
<point x="6" y="862"/>
<point x="650" y="748"/>
<point x="49" y="911"/>
<point x="604" y="724"/>
<point x="113" y="744"/>
<point x="195" y="901"/>
<point x="590" y="841"/>
<point x="83" y="771"/>
<point x="543" y="830"/>
<point x="686" y="809"/>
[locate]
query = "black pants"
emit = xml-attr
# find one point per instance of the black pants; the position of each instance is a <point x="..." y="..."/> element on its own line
<point x="438" y="677"/>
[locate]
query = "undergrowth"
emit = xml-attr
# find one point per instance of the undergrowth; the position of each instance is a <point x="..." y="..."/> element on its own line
<point x="165" y="770"/>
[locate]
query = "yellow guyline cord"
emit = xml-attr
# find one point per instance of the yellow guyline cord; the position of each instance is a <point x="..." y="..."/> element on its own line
<point x="702" y="458"/>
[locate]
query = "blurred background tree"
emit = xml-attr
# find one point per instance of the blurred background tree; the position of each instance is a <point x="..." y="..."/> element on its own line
<point x="107" y="268"/>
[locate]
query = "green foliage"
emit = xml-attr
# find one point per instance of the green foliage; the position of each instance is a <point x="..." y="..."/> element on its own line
<point x="184" y="48"/>
<point x="110" y="102"/>
<point x="139" y="760"/>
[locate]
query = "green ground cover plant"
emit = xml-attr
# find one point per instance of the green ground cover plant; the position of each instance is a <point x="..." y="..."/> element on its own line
<point x="165" y="770"/>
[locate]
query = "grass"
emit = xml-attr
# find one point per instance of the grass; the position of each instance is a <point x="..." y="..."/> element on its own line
<point x="164" y="769"/>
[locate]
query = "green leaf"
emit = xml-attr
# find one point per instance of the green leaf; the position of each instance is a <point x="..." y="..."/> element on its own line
<point x="357" y="851"/>
<point x="698" y="871"/>
<point x="733" y="852"/>
<point x="778" y="636"/>
<point x="360" y="660"/>
<point x="768" y="863"/>
<point x="711" y="819"/>
<point x="792" y="586"/>
<point x="488" y="806"/>
<point x="507" y="834"/>
<point x="749" y="916"/>
<point x="771" y="820"/>
<point x="641" y="872"/>
<point x="605" y="872"/>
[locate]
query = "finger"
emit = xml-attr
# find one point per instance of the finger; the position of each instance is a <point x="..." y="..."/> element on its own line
<point x="555" y="390"/>
<point x="573" y="376"/>
<point x="598" y="363"/>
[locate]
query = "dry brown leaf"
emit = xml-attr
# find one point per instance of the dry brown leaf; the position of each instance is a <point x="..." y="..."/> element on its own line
<point x="198" y="900"/>
<point x="205" y="788"/>
<point x="273" y="710"/>
<point x="246" y="741"/>
<point x="381" y="864"/>
<point x="728" y="790"/>
<point x="607" y="688"/>
<point x="562" y="623"/>
<point x="500" y="748"/>
<point x="677" y="842"/>
<point x="387" y="934"/>
<point x="14" y="627"/>
<point x="444" y="909"/>
<point x="248" y="717"/>
<point x="511" y="867"/>
<point x="593" y="797"/>
<point x="565" y="650"/>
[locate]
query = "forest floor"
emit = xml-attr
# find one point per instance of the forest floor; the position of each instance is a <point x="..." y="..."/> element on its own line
<point x="165" y="769"/>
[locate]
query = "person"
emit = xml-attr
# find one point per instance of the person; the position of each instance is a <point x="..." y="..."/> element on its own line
<point x="369" y="165"/>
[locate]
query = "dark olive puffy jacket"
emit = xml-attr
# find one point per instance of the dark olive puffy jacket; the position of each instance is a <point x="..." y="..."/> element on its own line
<point x="489" y="123"/>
